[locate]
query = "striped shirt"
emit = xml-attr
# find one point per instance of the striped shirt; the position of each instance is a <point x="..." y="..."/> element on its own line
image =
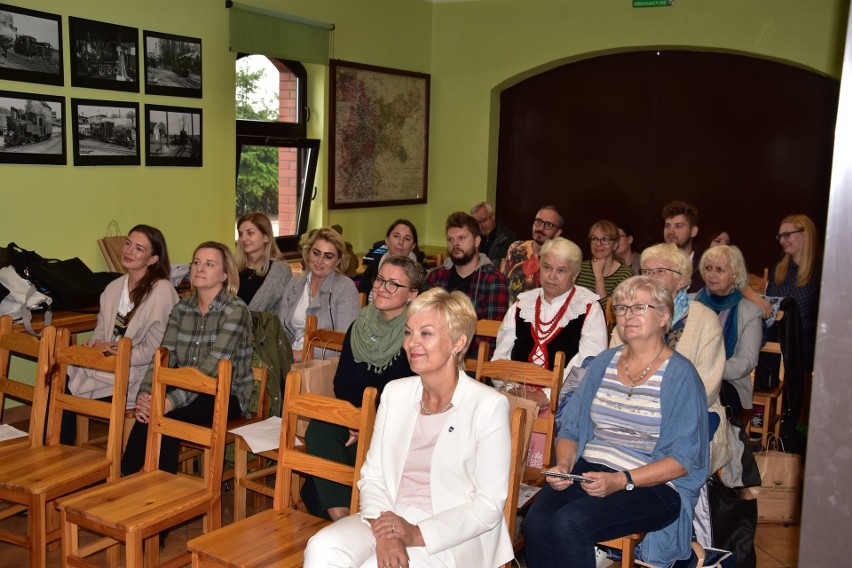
<point x="586" y="278"/>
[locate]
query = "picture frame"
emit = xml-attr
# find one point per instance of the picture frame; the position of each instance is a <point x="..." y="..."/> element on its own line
<point x="32" y="129"/>
<point x="172" y="65"/>
<point x="31" y="46"/>
<point x="377" y="158"/>
<point x="103" y="55"/>
<point x="173" y="136"/>
<point x="105" y="133"/>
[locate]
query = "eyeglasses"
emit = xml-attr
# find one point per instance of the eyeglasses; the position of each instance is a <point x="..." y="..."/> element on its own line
<point x="602" y="240"/>
<point x="390" y="286"/>
<point x="636" y="309"/>
<point x="548" y="226"/>
<point x="786" y="235"/>
<point x="659" y="271"/>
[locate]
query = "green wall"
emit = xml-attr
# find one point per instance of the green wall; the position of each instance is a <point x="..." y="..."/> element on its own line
<point x="472" y="50"/>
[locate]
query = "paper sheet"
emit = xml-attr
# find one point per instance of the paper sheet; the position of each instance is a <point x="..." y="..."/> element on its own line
<point x="10" y="433"/>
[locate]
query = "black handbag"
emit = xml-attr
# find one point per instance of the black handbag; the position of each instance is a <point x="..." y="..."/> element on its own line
<point x="70" y="283"/>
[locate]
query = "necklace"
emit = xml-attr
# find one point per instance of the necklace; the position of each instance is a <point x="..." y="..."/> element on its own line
<point x="544" y="331"/>
<point x="427" y="412"/>
<point x="642" y="375"/>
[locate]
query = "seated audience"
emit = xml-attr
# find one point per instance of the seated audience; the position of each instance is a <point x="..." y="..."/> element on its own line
<point x="695" y="333"/>
<point x="136" y="306"/>
<point x="624" y="249"/>
<point x="559" y="316"/>
<point x="719" y="238"/>
<point x="322" y="290"/>
<point x="797" y="275"/>
<point x="725" y="275"/>
<point x="496" y="236"/>
<point x="603" y="272"/>
<point x="263" y="272"/>
<point x="372" y="356"/>
<point x="436" y="476"/>
<point x="212" y="323"/>
<point x="637" y="429"/>
<point x="400" y="240"/>
<point x="521" y="268"/>
<point x="680" y="228"/>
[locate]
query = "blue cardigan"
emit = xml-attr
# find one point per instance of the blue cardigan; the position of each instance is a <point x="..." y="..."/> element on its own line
<point x="683" y="437"/>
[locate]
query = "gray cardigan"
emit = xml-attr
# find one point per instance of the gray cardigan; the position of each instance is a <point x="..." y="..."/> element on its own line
<point x="336" y="305"/>
<point x="268" y="297"/>
<point x="749" y="337"/>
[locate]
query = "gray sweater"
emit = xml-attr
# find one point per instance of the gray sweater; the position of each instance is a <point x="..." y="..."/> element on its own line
<point x="268" y="297"/>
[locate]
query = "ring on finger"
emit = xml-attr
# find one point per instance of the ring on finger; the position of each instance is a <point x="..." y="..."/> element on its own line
<point x="393" y="528"/>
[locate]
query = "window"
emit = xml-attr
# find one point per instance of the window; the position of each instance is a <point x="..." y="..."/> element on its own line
<point x="276" y="163"/>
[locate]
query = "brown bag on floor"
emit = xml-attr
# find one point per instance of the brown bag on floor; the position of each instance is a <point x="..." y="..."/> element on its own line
<point x="780" y="491"/>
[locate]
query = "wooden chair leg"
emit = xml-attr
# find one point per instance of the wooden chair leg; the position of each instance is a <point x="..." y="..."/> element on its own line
<point x="134" y="550"/>
<point x="240" y="472"/>
<point x="37" y="531"/>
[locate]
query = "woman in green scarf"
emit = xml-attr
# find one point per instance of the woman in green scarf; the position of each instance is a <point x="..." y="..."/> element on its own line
<point x="372" y="356"/>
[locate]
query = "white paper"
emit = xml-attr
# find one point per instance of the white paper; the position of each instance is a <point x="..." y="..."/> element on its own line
<point x="10" y="433"/>
<point x="526" y="493"/>
<point x="262" y="436"/>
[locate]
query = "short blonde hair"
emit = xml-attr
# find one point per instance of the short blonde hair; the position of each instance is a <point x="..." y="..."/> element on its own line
<point x="660" y="297"/>
<point x="454" y="308"/>
<point x="564" y="249"/>
<point x="233" y="275"/>
<point x="669" y="252"/>
<point x="735" y="260"/>
<point x="329" y="235"/>
<point x="608" y="228"/>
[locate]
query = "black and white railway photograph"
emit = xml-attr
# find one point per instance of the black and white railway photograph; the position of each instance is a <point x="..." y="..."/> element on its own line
<point x="30" y="46"/>
<point x="104" y="56"/>
<point x="173" y="135"/>
<point x="105" y="132"/>
<point x="31" y="128"/>
<point x="172" y="65"/>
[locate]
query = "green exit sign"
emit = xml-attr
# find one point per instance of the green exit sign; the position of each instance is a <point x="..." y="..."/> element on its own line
<point x="651" y="3"/>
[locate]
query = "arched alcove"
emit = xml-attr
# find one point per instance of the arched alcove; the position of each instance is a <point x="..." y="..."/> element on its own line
<point x="617" y="136"/>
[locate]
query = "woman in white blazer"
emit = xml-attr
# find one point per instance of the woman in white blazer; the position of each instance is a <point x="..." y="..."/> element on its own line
<point x="436" y="476"/>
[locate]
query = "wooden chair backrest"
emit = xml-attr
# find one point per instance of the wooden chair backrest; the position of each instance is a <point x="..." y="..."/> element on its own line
<point x="530" y="375"/>
<point x="61" y="400"/>
<point x="326" y="339"/>
<point x="510" y="510"/>
<point x="758" y="282"/>
<point x="362" y="296"/>
<point x="261" y="377"/>
<point x="211" y="438"/>
<point x="484" y="328"/>
<point x="298" y="405"/>
<point x="40" y="349"/>
<point x="609" y="315"/>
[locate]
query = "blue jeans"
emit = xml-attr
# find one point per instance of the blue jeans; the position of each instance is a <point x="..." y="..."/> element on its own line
<point x="562" y="527"/>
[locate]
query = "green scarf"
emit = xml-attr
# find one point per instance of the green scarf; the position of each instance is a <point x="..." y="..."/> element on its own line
<point x="376" y="341"/>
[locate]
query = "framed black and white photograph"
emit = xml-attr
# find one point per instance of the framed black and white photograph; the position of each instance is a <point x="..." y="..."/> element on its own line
<point x="172" y="65"/>
<point x="32" y="129"/>
<point x="104" y="56"/>
<point x="173" y="136"/>
<point x="106" y="133"/>
<point x="30" y="46"/>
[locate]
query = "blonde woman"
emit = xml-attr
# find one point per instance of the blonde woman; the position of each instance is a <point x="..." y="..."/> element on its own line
<point x="264" y="275"/>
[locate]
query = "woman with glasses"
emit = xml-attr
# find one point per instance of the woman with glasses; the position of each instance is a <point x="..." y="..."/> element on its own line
<point x="797" y="275"/>
<point x="558" y="316"/>
<point x="372" y="356"/>
<point x="695" y="333"/>
<point x="323" y="290"/>
<point x="636" y="431"/>
<point x="724" y="272"/>
<point x="603" y="272"/>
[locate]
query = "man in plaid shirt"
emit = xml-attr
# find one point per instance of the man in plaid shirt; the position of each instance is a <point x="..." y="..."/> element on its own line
<point x="472" y="272"/>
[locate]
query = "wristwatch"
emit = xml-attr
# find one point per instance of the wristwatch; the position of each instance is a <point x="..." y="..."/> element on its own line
<point x="630" y="485"/>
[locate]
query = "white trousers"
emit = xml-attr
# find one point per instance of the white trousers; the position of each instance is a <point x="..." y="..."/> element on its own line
<point x="349" y="543"/>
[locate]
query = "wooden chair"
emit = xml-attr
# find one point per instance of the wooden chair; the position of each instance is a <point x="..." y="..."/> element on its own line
<point x="530" y="375"/>
<point x="772" y="400"/>
<point x="759" y="283"/>
<point x="330" y="339"/>
<point x="136" y="508"/>
<point x="278" y="536"/>
<point x="36" y="477"/>
<point x="609" y="315"/>
<point x="42" y="350"/>
<point x="510" y="510"/>
<point x="627" y="546"/>
<point x="484" y="328"/>
<point x="362" y="296"/>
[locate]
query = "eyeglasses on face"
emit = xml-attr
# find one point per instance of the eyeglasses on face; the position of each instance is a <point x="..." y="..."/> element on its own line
<point x="636" y="309"/>
<point x="602" y="240"/>
<point x="548" y="226"/>
<point x="786" y="235"/>
<point x="390" y="286"/>
<point x="659" y="271"/>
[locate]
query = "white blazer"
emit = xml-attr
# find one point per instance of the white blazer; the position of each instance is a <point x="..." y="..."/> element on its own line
<point x="470" y="470"/>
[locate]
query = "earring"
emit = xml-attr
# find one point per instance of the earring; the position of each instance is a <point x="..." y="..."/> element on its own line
<point x="454" y="354"/>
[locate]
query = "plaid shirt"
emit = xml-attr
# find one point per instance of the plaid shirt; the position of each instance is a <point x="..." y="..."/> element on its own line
<point x="486" y="289"/>
<point x="200" y="341"/>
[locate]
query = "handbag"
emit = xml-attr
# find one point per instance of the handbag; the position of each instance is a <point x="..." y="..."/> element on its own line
<point x="780" y="491"/>
<point x="317" y="378"/>
<point x="22" y="299"/>
<point x="70" y="283"/>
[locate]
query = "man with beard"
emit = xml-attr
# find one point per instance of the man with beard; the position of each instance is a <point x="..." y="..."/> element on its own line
<point x="472" y="272"/>
<point x="521" y="268"/>
<point x="681" y="228"/>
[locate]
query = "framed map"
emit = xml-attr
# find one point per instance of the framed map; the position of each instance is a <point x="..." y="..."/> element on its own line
<point x="379" y="136"/>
